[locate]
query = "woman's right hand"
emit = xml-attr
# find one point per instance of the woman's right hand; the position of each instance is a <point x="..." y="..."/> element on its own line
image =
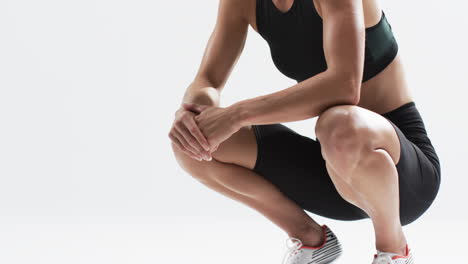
<point x="186" y="135"/>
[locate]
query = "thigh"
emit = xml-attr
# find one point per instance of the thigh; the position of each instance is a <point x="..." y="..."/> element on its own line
<point x="402" y="134"/>
<point x="418" y="167"/>
<point x="239" y="149"/>
<point x="294" y="164"/>
<point x="417" y="180"/>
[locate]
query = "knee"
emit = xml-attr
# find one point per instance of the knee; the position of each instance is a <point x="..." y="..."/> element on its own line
<point x="197" y="169"/>
<point x="343" y="136"/>
<point x="339" y="128"/>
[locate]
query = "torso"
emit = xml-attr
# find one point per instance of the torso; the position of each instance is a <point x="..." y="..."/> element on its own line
<point x="382" y="93"/>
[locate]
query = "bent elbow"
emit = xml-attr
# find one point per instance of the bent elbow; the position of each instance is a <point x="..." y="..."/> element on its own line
<point x="351" y="90"/>
<point x="354" y="95"/>
<point x="348" y="83"/>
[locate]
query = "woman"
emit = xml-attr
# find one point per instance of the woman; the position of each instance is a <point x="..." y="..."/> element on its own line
<point x="372" y="157"/>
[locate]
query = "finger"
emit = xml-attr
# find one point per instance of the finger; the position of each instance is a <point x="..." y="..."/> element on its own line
<point x="195" y="131"/>
<point x="187" y="151"/>
<point x="215" y="148"/>
<point x="191" y="140"/>
<point x="179" y="129"/>
<point x="187" y="146"/>
<point x="179" y="146"/>
<point x="182" y="148"/>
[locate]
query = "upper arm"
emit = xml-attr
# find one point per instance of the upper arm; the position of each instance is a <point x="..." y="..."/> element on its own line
<point x="225" y="43"/>
<point x="344" y="38"/>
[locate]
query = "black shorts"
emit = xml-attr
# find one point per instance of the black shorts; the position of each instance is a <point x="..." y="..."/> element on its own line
<point x="294" y="164"/>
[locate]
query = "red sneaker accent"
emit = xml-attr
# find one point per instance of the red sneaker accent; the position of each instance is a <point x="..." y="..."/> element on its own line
<point x="406" y="254"/>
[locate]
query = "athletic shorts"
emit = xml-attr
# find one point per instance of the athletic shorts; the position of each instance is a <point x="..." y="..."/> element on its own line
<point x="294" y="164"/>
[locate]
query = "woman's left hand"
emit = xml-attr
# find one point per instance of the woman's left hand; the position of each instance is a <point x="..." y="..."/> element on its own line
<point x="216" y="123"/>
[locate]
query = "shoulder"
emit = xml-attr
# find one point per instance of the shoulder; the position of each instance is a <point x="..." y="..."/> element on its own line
<point x="236" y="8"/>
<point x="234" y="12"/>
<point x="238" y="11"/>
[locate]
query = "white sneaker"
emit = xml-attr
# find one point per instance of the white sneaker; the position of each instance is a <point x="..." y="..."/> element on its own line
<point x="393" y="258"/>
<point x="326" y="253"/>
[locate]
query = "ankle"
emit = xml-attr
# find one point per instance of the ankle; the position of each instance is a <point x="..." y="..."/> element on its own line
<point x="398" y="248"/>
<point x="312" y="236"/>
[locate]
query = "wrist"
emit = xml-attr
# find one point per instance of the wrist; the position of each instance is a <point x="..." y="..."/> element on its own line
<point x="240" y="114"/>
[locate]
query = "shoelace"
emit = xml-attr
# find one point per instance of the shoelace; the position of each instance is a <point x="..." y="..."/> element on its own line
<point x="293" y="249"/>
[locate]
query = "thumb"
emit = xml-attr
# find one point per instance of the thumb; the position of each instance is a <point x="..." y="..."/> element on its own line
<point x="197" y="108"/>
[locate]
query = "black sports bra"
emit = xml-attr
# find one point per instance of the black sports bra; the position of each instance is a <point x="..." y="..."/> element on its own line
<point x="295" y="38"/>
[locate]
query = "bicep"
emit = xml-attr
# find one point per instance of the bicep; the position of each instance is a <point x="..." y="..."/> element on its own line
<point x="344" y="36"/>
<point x="225" y="43"/>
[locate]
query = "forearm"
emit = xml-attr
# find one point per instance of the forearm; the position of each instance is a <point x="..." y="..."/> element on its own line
<point x="202" y="92"/>
<point x="304" y="100"/>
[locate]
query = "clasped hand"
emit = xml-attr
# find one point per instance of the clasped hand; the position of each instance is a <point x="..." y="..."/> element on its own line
<point x="199" y="129"/>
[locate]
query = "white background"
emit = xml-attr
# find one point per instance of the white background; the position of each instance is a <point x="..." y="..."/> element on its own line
<point x="87" y="95"/>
